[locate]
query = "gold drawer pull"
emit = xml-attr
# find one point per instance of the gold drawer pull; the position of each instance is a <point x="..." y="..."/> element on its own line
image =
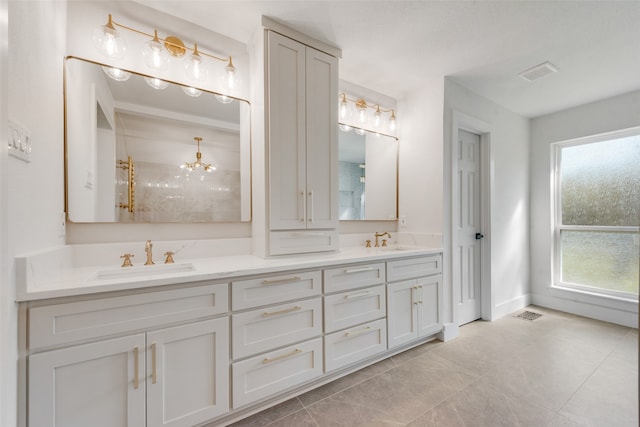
<point x="281" y="281"/>
<point x="286" y="310"/>
<point x="361" y="294"/>
<point x="136" y="367"/>
<point x="361" y="331"/>
<point x="284" y="356"/>
<point x="357" y="270"/>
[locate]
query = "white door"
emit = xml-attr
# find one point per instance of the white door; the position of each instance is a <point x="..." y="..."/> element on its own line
<point x="97" y="385"/>
<point x="188" y="373"/>
<point x="468" y="255"/>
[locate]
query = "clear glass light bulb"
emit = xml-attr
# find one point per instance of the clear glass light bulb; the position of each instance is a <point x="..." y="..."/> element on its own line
<point x="154" y="54"/>
<point x="392" y="122"/>
<point x="224" y="99"/>
<point x="192" y="91"/>
<point x="156" y="83"/>
<point x="362" y="115"/>
<point x="343" y="109"/>
<point x="359" y="131"/>
<point x="195" y="69"/>
<point x="231" y="75"/>
<point x="109" y="41"/>
<point x="116" y="73"/>
<point x="344" y="128"/>
<point x="377" y="118"/>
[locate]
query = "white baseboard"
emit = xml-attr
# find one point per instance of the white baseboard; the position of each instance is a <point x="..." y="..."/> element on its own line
<point x="588" y="309"/>
<point x="449" y="332"/>
<point x="508" y="307"/>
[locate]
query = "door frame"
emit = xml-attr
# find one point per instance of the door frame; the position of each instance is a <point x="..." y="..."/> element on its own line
<point x="461" y="121"/>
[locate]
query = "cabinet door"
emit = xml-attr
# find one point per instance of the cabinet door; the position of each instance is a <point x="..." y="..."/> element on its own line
<point x="286" y="130"/>
<point x="89" y="385"/>
<point x="429" y="305"/>
<point x="402" y="316"/>
<point x="188" y="373"/>
<point x="322" y="139"/>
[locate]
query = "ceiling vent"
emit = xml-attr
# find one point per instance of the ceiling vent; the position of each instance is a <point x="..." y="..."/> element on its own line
<point x="538" y="72"/>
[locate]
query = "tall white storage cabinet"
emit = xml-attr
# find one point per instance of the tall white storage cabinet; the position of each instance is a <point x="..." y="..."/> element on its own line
<point x="302" y="100"/>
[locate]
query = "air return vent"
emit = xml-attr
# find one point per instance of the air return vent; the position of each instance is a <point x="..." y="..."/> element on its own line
<point x="538" y="72"/>
<point x="529" y="315"/>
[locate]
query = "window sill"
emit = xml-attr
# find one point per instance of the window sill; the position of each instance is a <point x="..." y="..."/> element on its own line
<point x="629" y="304"/>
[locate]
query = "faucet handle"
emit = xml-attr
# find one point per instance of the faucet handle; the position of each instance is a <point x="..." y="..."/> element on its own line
<point x="127" y="260"/>
<point x="368" y="245"/>
<point x="169" y="257"/>
<point x="384" y="242"/>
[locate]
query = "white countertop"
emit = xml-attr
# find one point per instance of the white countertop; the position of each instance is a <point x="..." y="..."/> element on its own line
<point x="71" y="281"/>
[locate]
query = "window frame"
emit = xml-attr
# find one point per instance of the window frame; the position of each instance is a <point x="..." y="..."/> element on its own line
<point x="556" y="215"/>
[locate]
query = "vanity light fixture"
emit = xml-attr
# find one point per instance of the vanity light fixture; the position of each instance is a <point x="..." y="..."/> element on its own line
<point x="208" y="167"/>
<point x="362" y="113"/>
<point x="157" y="52"/>
<point x="116" y="73"/>
<point x="156" y="83"/>
<point x="191" y="91"/>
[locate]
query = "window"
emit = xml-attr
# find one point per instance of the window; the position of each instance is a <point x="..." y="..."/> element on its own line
<point x="597" y="214"/>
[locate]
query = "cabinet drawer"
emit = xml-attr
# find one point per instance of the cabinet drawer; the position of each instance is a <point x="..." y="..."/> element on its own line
<point x="355" y="276"/>
<point x="261" y="330"/>
<point x="351" y="308"/>
<point x="271" y="373"/>
<point x="414" y="267"/>
<point x="355" y="344"/>
<point x="275" y="289"/>
<point x="65" y="323"/>
<point x="298" y="242"/>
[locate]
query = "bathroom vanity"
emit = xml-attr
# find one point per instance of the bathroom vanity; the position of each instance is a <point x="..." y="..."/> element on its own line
<point x="217" y="339"/>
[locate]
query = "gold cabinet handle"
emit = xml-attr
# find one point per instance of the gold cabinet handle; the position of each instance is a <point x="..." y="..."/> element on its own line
<point x="361" y="294"/>
<point x="310" y="210"/>
<point x="136" y="367"/>
<point x="361" y="331"/>
<point x="284" y="356"/>
<point x="357" y="270"/>
<point x="281" y="281"/>
<point x="154" y="372"/>
<point x="414" y="293"/>
<point x="285" y="311"/>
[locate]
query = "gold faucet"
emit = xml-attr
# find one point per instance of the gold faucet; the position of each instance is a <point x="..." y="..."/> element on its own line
<point x="386" y="233"/>
<point x="147" y="249"/>
<point x="169" y="257"/>
<point x="127" y="260"/>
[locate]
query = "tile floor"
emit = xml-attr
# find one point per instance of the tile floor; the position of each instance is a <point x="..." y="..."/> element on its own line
<point x="558" y="370"/>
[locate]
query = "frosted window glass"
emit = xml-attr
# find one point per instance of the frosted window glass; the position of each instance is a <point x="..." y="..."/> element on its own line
<point x="601" y="259"/>
<point x="600" y="183"/>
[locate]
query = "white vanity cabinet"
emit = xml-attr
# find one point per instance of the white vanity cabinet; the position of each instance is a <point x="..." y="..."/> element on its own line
<point x="156" y="375"/>
<point x="302" y="91"/>
<point x="414" y="305"/>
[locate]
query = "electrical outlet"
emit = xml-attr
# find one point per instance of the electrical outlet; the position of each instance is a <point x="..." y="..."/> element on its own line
<point x="403" y="221"/>
<point x="19" y="141"/>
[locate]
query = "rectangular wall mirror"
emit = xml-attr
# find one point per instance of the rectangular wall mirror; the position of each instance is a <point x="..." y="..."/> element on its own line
<point x="135" y="153"/>
<point x="368" y="175"/>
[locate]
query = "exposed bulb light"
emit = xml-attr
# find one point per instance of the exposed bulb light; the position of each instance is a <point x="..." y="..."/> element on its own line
<point x="344" y="128"/>
<point x="156" y="83"/>
<point x="224" y="99"/>
<point x="231" y="74"/>
<point x="196" y="71"/>
<point x="116" y="73"/>
<point x="155" y="55"/>
<point x="109" y="41"/>
<point x="359" y="131"/>
<point x="192" y="91"/>
<point x="392" y="121"/>
<point x="208" y="167"/>
<point x="343" y="107"/>
<point x="361" y="117"/>
<point x="377" y="117"/>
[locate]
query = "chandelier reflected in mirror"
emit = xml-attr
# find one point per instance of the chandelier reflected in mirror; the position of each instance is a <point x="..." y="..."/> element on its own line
<point x="207" y="167"/>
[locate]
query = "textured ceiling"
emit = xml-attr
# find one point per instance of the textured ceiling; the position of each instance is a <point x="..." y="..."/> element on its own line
<point x="394" y="46"/>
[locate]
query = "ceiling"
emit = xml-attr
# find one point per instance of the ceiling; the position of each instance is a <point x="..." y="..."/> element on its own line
<point x="394" y="46"/>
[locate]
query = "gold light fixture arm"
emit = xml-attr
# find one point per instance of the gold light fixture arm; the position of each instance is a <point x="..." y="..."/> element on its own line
<point x="361" y="103"/>
<point x="129" y="166"/>
<point x="174" y="45"/>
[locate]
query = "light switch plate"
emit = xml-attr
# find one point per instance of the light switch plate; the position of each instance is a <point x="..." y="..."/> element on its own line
<point x="19" y="141"/>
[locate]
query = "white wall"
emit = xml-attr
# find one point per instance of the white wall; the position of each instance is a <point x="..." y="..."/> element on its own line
<point x="36" y="50"/>
<point x="7" y="313"/>
<point x="509" y="194"/>
<point x="620" y="112"/>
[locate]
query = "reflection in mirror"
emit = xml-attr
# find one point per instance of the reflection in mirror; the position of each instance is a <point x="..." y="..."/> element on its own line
<point x="368" y="175"/>
<point x="139" y="154"/>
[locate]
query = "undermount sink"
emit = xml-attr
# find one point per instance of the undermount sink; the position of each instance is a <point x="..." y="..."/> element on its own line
<point x="395" y="248"/>
<point x="142" y="270"/>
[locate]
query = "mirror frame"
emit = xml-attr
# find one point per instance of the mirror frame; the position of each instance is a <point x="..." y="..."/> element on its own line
<point x="249" y="216"/>
<point x="397" y="174"/>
